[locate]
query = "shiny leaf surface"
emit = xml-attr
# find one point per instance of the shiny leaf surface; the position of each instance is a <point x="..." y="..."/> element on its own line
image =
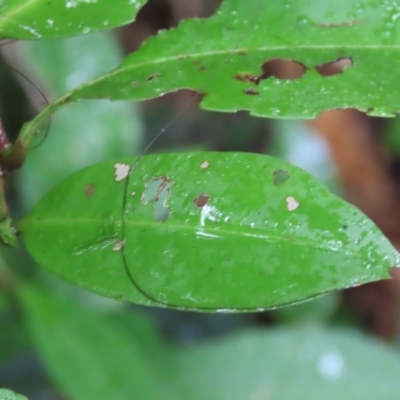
<point x="332" y="55"/>
<point x="205" y="231"/>
<point x="35" y="19"/>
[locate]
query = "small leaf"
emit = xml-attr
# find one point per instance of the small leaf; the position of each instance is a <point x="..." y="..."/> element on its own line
<point x="34" y="19"/>
<point x="188" y="231"/>
<point x="6" y="394"/>
<point x="280" y="364"/>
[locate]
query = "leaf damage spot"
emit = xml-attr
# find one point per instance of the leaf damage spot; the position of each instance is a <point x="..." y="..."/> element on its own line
<point x="121" y="171"/>
<point x="340" y="24"/>
<point x="133" y="193"/>
<point x="282" y="68"/>
<point x="158" y="190"/>
<point x="201" y="200"/>
<point x="280" y="176"/>
<point x="279" y="68"/>
<point x="153" y="76"/>
<point x="291" y="203"/>
<point x="334" y="67"/>
<point x="89" y="190"/>
<point x="203" y="68"/>
<point x="248" y="78"/>
<point x="251" y="92"/>
<point x="205" y="164"/>
<point x="118" y="245"/>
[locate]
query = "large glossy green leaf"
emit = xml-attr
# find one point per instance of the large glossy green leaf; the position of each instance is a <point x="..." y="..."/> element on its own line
<point x="34" y="19"/>
<point x="223" y="57"/>
<point x="6" y="394"/>
<point x="205" y="231"/>
<point x="88" y="354"/>
<point x="281" y="364"/>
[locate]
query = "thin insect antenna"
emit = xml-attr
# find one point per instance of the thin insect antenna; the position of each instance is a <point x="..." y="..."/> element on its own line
<point x="44" y="97"/>
<point x="159" y="133"/>
<point x="199" y="93"/>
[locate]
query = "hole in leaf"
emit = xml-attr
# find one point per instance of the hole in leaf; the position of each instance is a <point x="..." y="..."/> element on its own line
<point x="281" y="68"/>
<point x="158" y="190"/>
<point x="280" y="176"/>
<point x="201" y="201"/>
<point x="334" y="67"/>
<point x="251" y="92"/>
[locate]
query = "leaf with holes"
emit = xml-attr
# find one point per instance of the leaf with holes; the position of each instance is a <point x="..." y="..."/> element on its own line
<point x="293" y="59"/>
<point x="204" y="231"/>
<point x="34" y="19"/>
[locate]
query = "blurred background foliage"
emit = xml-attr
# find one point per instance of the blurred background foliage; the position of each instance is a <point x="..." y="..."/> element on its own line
<point x="60" y="342"/>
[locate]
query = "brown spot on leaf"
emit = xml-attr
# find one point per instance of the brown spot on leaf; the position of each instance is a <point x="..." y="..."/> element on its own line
<point x="341" y="24"/>
<point x="248" y="78"/>
<point x="202" y="68"/>
<point x="151" y="77"/>
<point x="201" y="201"/>
<point x="89" y="189"/>
<point x="251" y="92"/>
<point x="334" y="67"/>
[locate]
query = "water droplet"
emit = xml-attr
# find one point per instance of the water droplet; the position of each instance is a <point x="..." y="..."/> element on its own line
<point x="331" y="365"/>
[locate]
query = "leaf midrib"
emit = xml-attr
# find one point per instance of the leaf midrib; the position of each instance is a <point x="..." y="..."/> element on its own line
<point x="270" y="238"/>
<point x="178" y="57"/>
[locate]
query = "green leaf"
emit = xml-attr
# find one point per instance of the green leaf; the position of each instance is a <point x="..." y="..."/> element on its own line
<point x="6" y="394"/>
<point x="34" y="19"/>
<point x="90" y="356"/>
<point x="205" y="231"/>
<point x="281" y="364"/>
<point x="229" y="64"/>
<point x="81" y="134"/>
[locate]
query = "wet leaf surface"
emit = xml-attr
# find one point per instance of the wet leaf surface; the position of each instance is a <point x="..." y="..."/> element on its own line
<point x="292" y="59"/>
<point x="35" y="19"/>
<point x="226" y="237"/>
